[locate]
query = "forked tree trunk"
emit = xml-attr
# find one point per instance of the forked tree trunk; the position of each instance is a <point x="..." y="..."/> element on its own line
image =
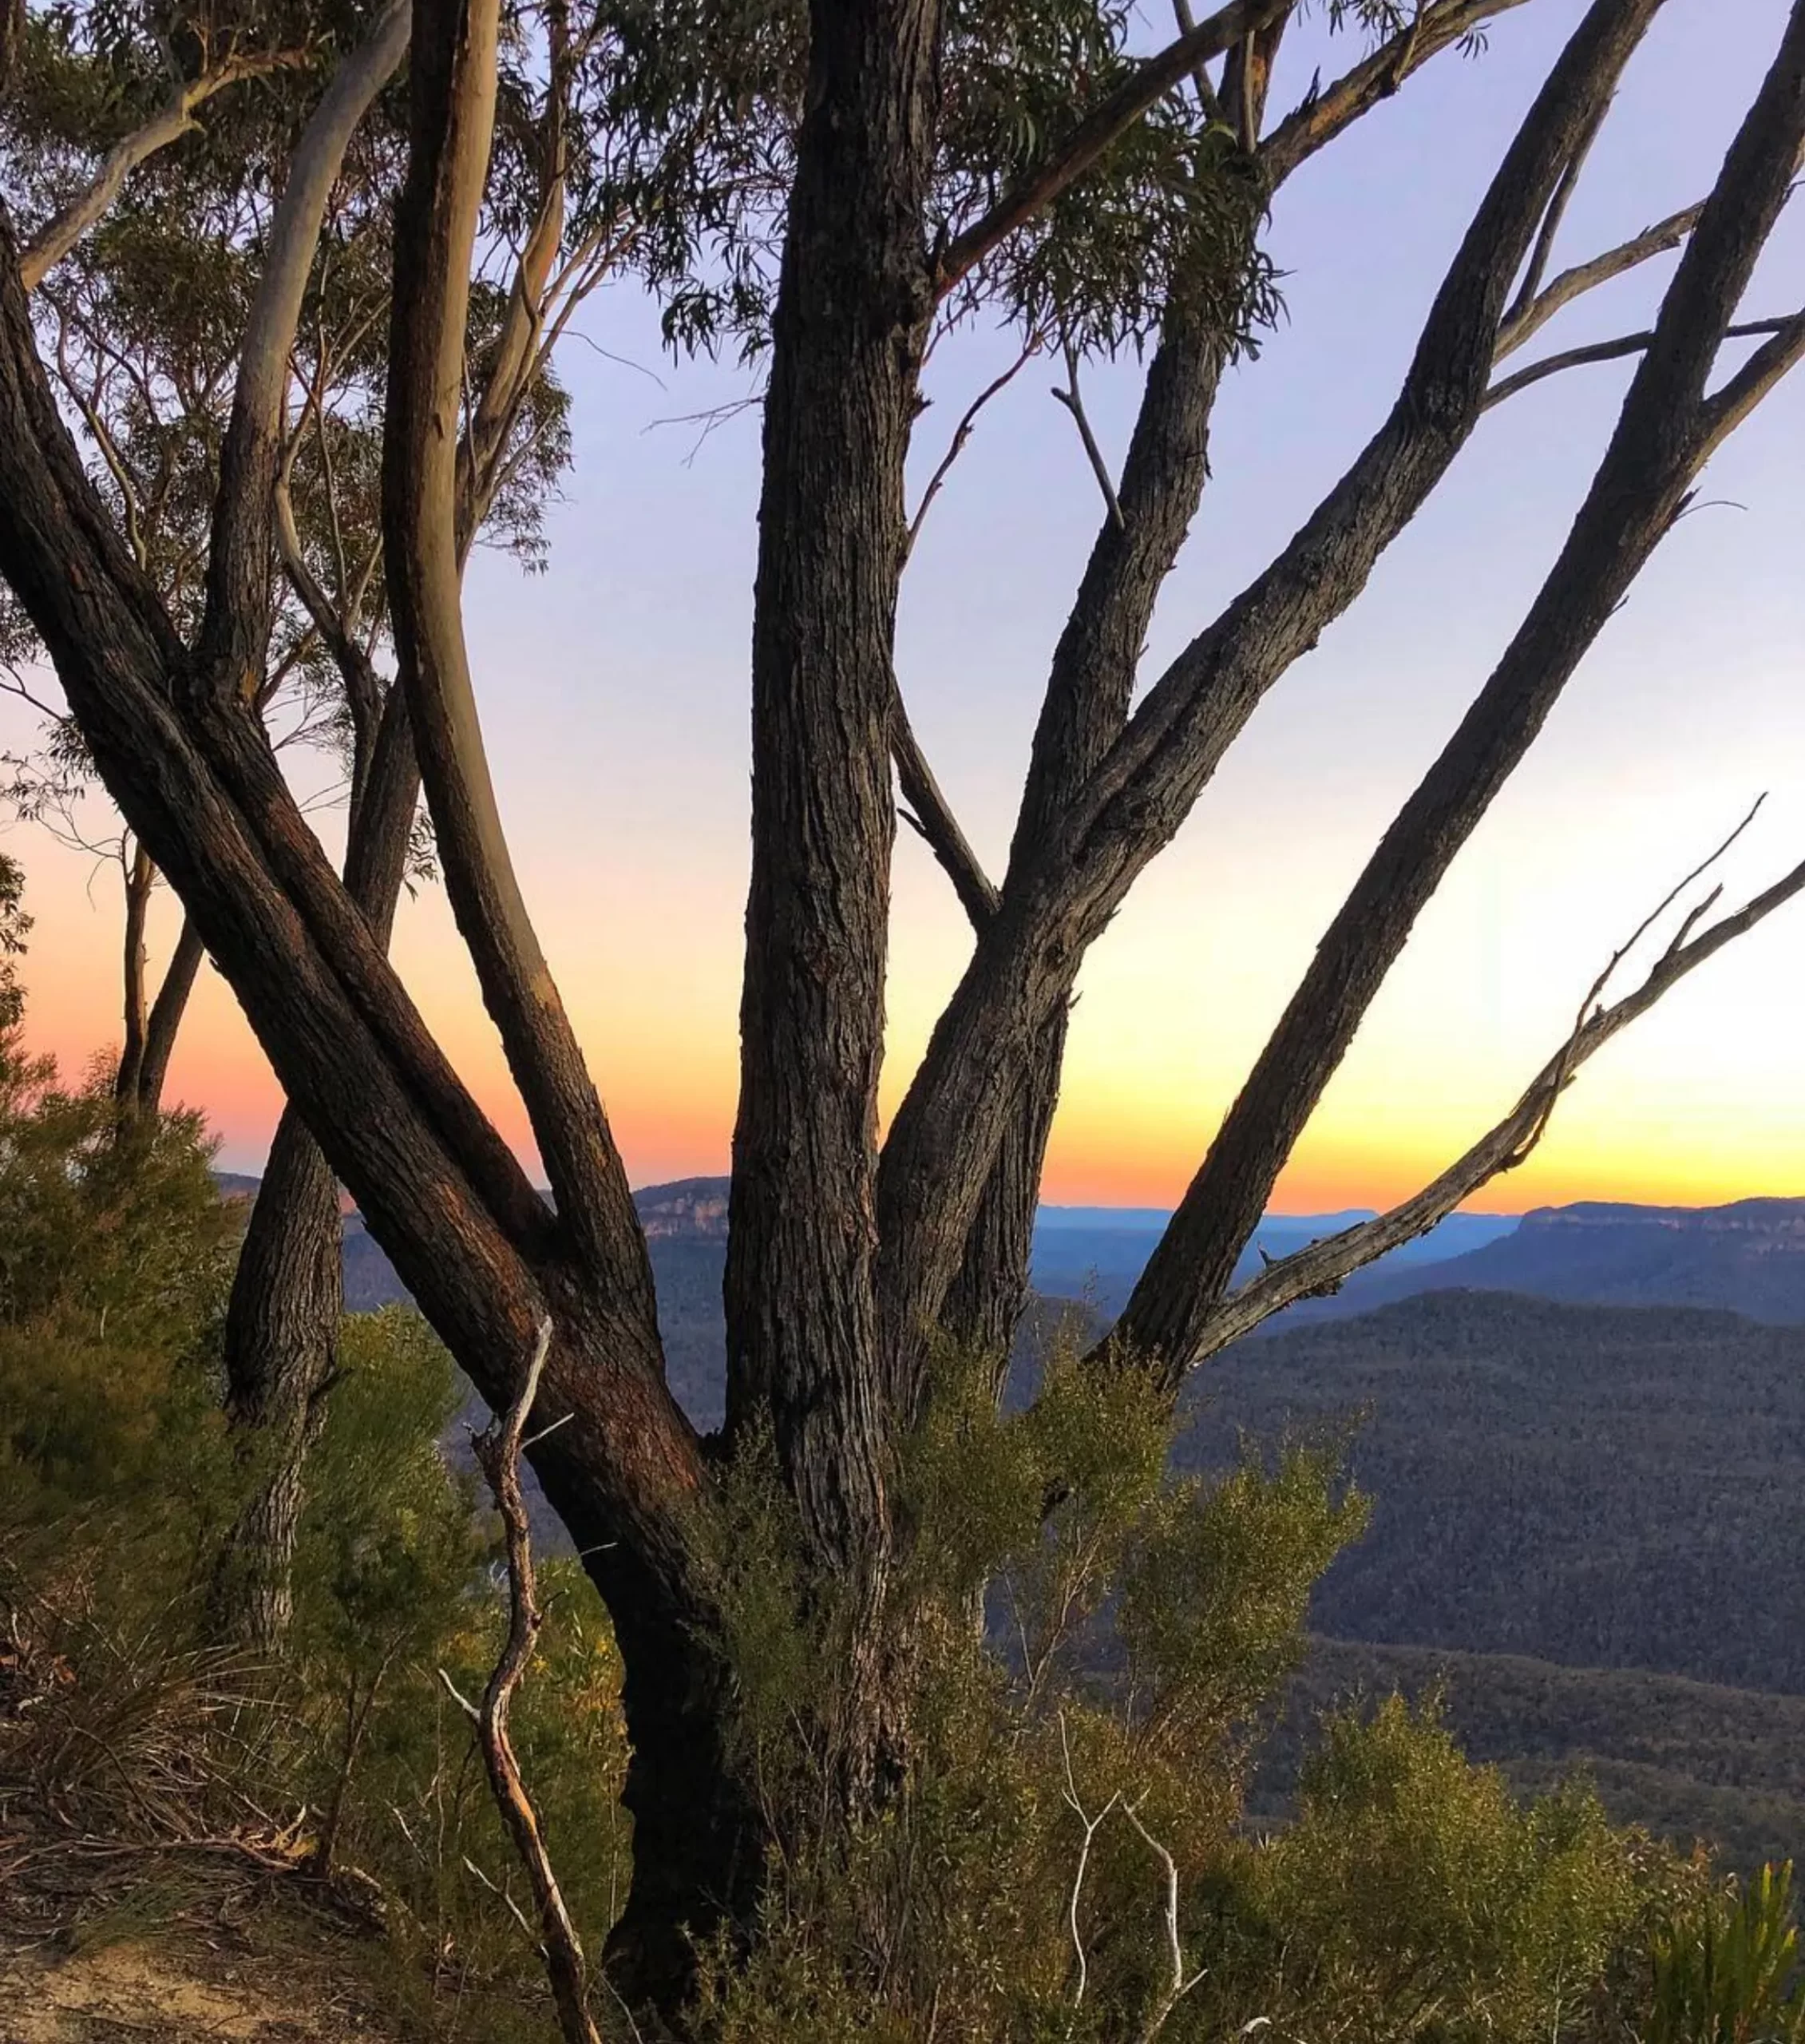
<point x="853" y="305"/>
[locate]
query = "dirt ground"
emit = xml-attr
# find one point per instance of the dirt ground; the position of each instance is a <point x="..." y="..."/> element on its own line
<point x="100" y="1944"/>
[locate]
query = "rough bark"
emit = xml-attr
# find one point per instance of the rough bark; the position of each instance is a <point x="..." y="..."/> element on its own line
<point x="151" y="1025"/>
<point x="1083" y="712"/>
<point x="282" y="1333"/>
<point x="165" y="1021"/>
<point x="854" y="304"/>
<point x="281" y="1350"/>
<point x="945" y="1136"/>
<point x="140" y="876"/>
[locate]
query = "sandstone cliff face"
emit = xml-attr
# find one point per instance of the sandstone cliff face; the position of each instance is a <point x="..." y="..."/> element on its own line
<point x="693" y="1209"/>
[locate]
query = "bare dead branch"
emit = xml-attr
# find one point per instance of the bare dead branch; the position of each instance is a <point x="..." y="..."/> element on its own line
<point x="1091" y="1824"/>
<point x="930" y="816"/>
<point x="1073" y="403"/>
<point x="1147" y="84"/>
<point x="498" y="1454"/>
<point x="1180" y="1983"/>
<point x="1537" y="268"/>
<point x="1324" y="1266"/>
<point x="173" y="120"/>
<point x="963" y="432"/>
<point x="1524" y="321"/>
<point x="1613" y="350"/>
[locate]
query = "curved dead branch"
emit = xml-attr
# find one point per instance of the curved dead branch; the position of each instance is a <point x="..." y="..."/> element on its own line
<point x="498" y="1455"/>
<point x="1324" y="1266"/>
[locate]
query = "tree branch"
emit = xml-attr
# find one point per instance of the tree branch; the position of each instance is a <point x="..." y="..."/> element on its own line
<point x="1526" y="320"/>
<point x="1323" y="115"/>
<point x="236" y="623"/>
<point x="1537" y="266"/>
<point x="933" y="820"/>
<point x="1665" y="432"/>
<point x="1324" y="1266"/>
<point x="1092" y="1826"/>
<point x="1614" y="351"/>
<point x="962" y="433"/>
<point x="1147" y="84"/>
<point x="1073" y="403"/>
<point x="175" y="119"/>
<point x="1062" y="892"/>
<point x="454" y="89"/>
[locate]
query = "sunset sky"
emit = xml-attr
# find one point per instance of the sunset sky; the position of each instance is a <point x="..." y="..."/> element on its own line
<point x="615" y="693"/>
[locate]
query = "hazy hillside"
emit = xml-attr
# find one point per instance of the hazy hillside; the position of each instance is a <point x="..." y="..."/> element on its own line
<point x="1091" y="1251"/>
<point x="1603" y="1487"/>
<point x="1586" y="1516"/>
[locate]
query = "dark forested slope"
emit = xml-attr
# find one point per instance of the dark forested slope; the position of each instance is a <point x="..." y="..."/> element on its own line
<point x="1604" y="1487"/>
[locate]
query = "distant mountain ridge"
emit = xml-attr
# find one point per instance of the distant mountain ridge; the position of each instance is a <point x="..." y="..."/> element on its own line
<point x="1747" y="1257"/>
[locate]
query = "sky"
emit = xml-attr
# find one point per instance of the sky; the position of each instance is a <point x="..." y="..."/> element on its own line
<point x="615" y="693"/>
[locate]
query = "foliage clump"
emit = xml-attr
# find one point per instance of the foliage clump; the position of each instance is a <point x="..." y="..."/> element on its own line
<point x="1083" y="1652"/>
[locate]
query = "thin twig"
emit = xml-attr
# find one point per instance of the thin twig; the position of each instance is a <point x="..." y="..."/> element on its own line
<point x="1322" y="1266"/>
<point x="1073" y="403"/>
<point x="1613" y="350"/>
<point x="930" y="816"/>
<point x="963" y="432"/>
<point x="1090" y="1824"/>
<point x="1537" y="267"/>
<point x="1180" y="1984"/>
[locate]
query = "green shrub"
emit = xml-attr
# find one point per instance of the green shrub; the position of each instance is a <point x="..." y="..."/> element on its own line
<point x="1727" y="1970"/>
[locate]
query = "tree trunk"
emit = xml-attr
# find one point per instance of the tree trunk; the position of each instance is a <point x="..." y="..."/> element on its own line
<point x="165" y="1021"/>
<point x="854" y="304"/>
<point x="140" y="876"/>
<point x="288" y="1291"/>
<point x="281" y="1347"/>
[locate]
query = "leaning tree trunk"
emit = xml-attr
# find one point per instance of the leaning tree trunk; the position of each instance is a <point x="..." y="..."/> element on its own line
<point x="288" y="1292"/>
<point x="1088" y="693"/>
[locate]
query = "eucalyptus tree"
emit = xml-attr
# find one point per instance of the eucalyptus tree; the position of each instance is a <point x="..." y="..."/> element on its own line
<point x="925" y="159"/>
<point x="155" y="188"/>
